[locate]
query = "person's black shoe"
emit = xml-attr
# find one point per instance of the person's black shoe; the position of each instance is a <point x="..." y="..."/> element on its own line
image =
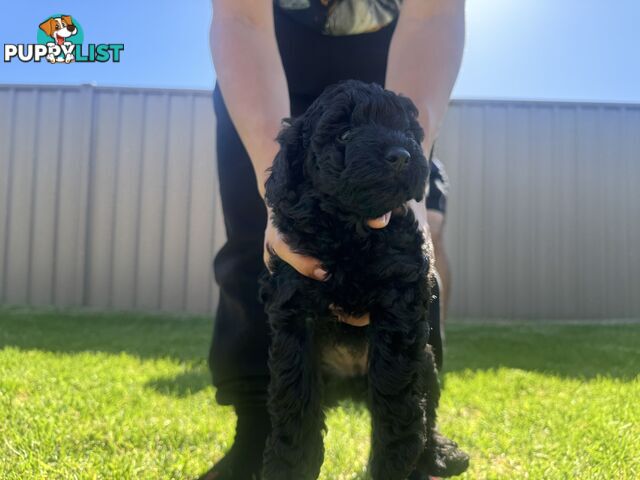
<point x="244" y="460"/>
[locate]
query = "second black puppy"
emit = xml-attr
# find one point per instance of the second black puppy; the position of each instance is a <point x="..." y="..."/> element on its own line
<point x="354" y="155"/>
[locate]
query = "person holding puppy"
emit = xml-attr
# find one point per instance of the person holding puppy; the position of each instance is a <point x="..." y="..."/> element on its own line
<point x="272" y="60"/>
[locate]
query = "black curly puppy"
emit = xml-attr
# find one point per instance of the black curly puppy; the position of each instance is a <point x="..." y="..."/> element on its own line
<point x="354" y="155"/>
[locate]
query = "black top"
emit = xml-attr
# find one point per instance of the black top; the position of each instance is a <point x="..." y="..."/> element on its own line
<point x="342" y="17"/>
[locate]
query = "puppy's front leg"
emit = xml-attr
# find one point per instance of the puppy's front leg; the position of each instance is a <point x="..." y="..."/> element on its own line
<point x="398" y="338"/>
<point x="294" y="450"/>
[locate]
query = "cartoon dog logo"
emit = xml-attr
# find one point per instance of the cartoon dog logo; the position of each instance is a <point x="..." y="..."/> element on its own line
<point x="60" y="29"/>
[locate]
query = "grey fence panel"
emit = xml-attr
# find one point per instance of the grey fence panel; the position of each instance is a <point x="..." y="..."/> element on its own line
<point x="102" y="204"/>
<point x="72" y="198"/>
<point x="544" y="201"/>
<point x="152" y="199"/>
<point x="109" y="198"/>
<point x="152" y="202"/>
<point x="7" y="122"/>
<point x="494" y="199"/>
<point x="127" y="188"/>
<point x="613" y="203"/>
<point x="20" y="202"/>
<point x="545" y="196"/>
<point x="471" y="182"/>
<point x="45" y="201"/>
<point x="630" y="228"/>
<point x="176" y="221"/>
<point x="204" y="209"/>
<point x="567" y="210"/>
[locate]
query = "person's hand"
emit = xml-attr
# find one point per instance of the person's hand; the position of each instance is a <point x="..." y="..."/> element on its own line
<point x="274" y="244"/>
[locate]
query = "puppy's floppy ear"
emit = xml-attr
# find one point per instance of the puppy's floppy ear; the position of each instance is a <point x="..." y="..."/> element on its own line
<point x="287" y="173"/>
<point x="67" y="19"/>
<point x="48" y="26"/>
<point x="286" y="170"/>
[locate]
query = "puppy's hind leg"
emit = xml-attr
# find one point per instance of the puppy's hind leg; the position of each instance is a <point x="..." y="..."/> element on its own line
<point x="294" y="450"/>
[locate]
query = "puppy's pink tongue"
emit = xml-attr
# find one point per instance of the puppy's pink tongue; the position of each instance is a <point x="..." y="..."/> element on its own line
<point x="380" y="222"/>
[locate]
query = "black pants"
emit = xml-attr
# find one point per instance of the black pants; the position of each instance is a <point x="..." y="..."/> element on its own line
<point x="312" y="61"/>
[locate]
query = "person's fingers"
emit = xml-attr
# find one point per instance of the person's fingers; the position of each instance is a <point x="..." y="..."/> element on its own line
<point x="379" y="222"/>
<point x="307" y="266"/>
<point x="360" y="321"/>
<point x="355" y="321"/>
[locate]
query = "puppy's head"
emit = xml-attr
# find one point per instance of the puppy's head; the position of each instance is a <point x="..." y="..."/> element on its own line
<point x="59" y="28"/>
<point x="357" y="145"/>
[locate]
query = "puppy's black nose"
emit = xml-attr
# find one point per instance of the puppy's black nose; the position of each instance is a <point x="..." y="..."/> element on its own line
<point x="398" y="156"/>
<point x="71" y="28"/>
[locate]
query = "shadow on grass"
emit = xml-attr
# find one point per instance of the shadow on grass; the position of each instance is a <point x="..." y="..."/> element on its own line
<point x="187" y="383"/>
<point x="146" y="336"/>
<point x="185" y="339"/>
<point x="584" y="351"/>
<point x="574" y="351"/>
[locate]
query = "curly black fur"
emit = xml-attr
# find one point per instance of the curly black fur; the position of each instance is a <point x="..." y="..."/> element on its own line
<point x="333" y="172"/>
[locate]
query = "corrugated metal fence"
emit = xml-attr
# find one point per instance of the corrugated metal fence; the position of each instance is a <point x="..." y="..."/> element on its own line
<point x="545" y="209"/>
<point x="108" y="198"/>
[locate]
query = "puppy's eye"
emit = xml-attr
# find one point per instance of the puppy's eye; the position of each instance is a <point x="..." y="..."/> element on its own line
<point x="57" y="27"/>
<point x="344" y="136"/>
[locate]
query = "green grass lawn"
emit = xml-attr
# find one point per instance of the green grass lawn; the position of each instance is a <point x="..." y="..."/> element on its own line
<point x="92" y="395"/>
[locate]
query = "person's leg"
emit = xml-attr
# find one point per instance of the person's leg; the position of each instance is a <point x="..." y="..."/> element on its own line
<point x="239" y="347"/>
<point x="436" y="209"/>
<point x="436" y="221"/>
<point x="238" y="355"/>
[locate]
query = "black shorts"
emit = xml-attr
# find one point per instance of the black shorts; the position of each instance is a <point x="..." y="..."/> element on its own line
<point x="438" y="187"/>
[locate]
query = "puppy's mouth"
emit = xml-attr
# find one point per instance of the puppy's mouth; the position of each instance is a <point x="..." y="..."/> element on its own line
<point x="59" y="40"/>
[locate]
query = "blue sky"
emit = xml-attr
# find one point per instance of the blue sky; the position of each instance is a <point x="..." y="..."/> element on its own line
<point x="532" y="49"/>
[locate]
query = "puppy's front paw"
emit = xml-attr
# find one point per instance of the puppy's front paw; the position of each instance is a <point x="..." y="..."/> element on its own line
<point x="51" y="58"/>
<point x="69" y="58"/>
